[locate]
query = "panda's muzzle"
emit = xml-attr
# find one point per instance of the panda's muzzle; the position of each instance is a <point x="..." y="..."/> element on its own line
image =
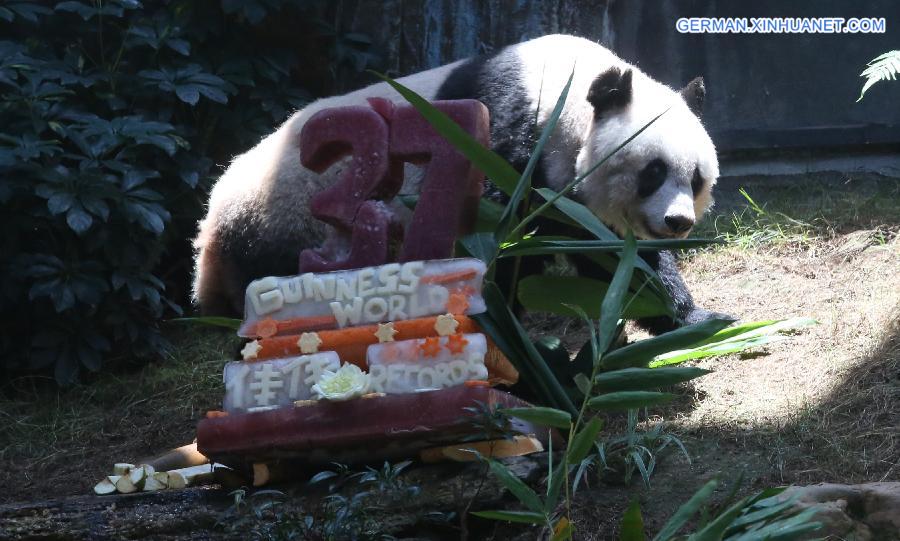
<point x="679" y="225"/>
<point x="678" y="229"/>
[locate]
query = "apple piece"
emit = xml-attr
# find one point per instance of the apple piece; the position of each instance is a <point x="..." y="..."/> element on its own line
<point x="125" y="486"/>
<point x="107" y="485"/>
<point x="176" y="480"/>
<point x="122" y="468"/>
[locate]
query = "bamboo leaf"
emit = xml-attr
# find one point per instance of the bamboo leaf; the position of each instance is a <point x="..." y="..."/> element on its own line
<point x="482" y="246"/>
<point x="641" y="353"/>
<point x="715" y="529"/>
<point x="579" y="213"/>
<point x="554" y="486"/>
<point x="513" y="340"/>
<point x="640" y="379"/>
<point x="519" y="489"/>
<point x="495" y="167"/>
<point x="751" y="329"/>
<point x="489" y="213"/>
<point x="227" y="322"/>
<point x="626" y="400"/>
<point x="568" y="187"/>
<point x="548" y="245"/>
<point x="758" y="335"/>
<point x="583" y="216"/>
<point x="632" y="523"/>
<point x="560" y="294"/>
<point x="524" y="183"/>
<point x="583" y="441"/>
<point x="611" y="308"/>
<point x="583" y="383"/>
<point x="686" y="511"/>
<point x="542" y="416"/>
<point x="524" y="517"/>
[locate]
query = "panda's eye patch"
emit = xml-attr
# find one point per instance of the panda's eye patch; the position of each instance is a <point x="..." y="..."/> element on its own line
<point x="696" y="182"/>
<point x="652" y="177"/>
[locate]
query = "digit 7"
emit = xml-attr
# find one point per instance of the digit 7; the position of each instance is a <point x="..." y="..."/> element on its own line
<point x="451" y="186"/>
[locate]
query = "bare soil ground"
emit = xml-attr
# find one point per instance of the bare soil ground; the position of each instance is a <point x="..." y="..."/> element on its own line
<point x="822" y="406"/>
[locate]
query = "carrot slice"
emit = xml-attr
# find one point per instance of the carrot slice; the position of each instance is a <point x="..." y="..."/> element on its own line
<point x="351" y="344"/>
<point x="457" y="276"/>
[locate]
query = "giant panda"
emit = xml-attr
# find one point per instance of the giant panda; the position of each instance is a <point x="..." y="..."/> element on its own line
<point x="658" y="186"/>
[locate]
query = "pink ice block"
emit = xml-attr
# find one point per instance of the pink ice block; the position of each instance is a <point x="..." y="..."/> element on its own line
<point x="363" y="430"/>
<point x="448" y="198"/>
<point x="363" y="134"/>
<point x="379" y="138"/>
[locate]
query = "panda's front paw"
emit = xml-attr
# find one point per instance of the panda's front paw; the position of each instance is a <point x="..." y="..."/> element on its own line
<point x="698" y="315"/>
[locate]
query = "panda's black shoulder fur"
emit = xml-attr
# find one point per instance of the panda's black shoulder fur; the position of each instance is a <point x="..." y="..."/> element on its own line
<point x="496" y="81"/>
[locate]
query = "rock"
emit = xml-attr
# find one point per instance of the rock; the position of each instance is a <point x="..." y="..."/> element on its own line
<point x="869" y="511"/>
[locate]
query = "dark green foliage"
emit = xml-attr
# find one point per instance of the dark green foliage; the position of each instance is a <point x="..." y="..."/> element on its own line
<point x="116" y="116"/>
<point x="353" y="508"/>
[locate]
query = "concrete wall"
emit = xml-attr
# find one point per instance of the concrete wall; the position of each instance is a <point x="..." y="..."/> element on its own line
<point x="765" y="91"/>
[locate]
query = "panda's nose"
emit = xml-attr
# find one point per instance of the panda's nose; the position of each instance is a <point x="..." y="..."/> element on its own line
<point x="679" y="224"/>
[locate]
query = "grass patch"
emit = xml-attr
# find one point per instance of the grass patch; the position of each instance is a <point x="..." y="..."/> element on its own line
<point x="796" y="211"/>
<point x="46" y="433"/>
<point x="855" y="432"/>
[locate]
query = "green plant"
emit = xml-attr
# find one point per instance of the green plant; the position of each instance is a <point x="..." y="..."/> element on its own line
<point x="489" y="422"/>
<point x="756" y="225"/>
<point x="881" y="68"/>
<point x="605" y="378"/>
<point x="113" y="116"/>
<point x="637" y="450"/>
<point x="266" y="515"/>
<point x="764" y="516"/>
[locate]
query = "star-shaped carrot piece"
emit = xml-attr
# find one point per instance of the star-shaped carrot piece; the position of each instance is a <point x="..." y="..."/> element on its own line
<point x="430" y="347"/>
<point x="456" y="343"/>
<point x="309" y="342"/>
<point x="385" y="332"/>
<point x="266" y="328"/>
<point x="251" y="350"/>
<point x="458" y="303"/>
<point x="445" y="325"/>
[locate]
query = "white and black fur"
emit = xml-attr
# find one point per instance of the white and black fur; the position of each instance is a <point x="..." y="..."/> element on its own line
<point x="659" y="185"/>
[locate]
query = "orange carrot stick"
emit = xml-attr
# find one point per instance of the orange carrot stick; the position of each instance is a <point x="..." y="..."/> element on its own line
<point x="268" y="327"/>
<point x="306" y="323"/>
<point x="351" y="343"/>
<point x="457" y="276"/>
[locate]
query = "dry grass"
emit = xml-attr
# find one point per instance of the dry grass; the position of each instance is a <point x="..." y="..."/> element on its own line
<point x="824" y="405"/>
<point x="60" y="442"/>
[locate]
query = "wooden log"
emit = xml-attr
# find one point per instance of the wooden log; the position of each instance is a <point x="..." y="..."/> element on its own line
<point x="466" y="452"/>
<point x="180" y="457"/>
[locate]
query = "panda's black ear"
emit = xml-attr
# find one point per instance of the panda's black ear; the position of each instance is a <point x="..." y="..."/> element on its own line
<point x="694" y="95"/>
<point x="610" y="90"/>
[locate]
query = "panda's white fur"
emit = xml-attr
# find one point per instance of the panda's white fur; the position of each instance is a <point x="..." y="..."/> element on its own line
<point x="678" y="136"/>
<point x="257" y="209"/>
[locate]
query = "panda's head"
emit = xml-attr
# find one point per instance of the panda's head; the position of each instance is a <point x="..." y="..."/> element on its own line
<point x="659" y="185"/>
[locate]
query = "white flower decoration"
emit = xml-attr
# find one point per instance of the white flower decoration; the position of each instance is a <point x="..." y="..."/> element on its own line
<point x="348" y="382"/>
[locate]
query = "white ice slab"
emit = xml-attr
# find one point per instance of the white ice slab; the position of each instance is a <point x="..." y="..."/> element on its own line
<point x="392" y="292"/>
<point x="407" y="366"/>
<point x="278" y="382"/>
